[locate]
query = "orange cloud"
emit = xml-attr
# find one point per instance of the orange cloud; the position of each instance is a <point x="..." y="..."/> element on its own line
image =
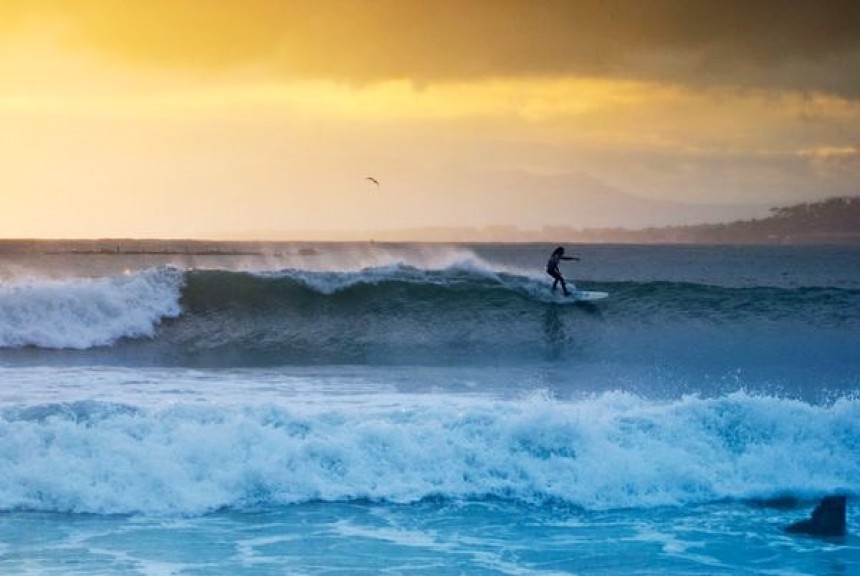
<point x="769" y="43"/>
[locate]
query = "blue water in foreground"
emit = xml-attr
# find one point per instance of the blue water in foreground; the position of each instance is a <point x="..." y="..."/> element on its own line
<point x="427" y="409"/>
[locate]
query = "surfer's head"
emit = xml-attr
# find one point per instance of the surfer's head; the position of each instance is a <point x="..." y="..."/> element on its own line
<point x="559" y="250"/>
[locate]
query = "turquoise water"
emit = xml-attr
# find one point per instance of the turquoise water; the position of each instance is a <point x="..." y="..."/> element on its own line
<point x="485" y="537"/>
<point x="423" y="409"/>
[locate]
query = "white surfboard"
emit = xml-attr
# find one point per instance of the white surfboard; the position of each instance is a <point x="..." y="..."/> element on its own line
<point x="585" y="295"/>
<point x="580" y="296"/>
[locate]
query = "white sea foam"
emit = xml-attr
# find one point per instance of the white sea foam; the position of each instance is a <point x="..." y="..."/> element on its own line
<point x="610" y="451"/>
<point x="423" y="264"/>
<point x="85" y="312"/>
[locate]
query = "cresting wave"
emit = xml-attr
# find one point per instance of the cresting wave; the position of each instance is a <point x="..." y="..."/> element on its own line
<point x="83" y="313"/>
<point x="301" y="315"/>
<point x="614" y="450"/>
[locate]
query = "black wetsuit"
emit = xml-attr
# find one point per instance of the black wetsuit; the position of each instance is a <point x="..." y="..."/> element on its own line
<point x="552" y="270"/>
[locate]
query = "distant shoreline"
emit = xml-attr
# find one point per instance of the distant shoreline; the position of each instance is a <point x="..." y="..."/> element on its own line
<point x="835" y="221"/>
<point x="119" y="252"/>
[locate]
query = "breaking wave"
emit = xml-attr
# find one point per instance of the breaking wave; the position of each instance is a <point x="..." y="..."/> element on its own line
<point x="82" y="313"/>
<point x="613" y="450"/>
<point x="400" y="314"/>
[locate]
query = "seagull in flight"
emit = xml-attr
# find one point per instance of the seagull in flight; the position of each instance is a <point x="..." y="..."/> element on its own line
<point x="372" y="179"/>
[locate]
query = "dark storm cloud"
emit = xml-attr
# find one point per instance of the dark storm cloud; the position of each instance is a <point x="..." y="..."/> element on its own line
<point x="798" y="44"/>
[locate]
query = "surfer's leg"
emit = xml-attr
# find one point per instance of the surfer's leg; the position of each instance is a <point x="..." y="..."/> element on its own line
<point x="564" y="287"/>
<point x="559" y="278"/>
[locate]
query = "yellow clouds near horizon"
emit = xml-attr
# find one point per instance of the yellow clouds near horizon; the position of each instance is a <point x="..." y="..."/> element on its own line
<point x="591" y="111"/>
<point x="402" y="60"/>
<point x="188" y="118"/>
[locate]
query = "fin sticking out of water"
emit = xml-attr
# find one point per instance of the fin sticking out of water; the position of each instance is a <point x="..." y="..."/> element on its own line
<point x="828" y="519"/>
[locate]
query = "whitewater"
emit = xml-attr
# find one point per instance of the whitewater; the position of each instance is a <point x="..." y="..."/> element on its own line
<point x="425" y="409"/>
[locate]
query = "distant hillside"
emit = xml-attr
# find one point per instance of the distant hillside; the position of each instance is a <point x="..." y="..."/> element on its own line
<point x="832" y="221"/>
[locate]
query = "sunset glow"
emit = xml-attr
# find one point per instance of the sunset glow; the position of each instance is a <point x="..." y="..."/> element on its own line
<point x="261" y="119"/>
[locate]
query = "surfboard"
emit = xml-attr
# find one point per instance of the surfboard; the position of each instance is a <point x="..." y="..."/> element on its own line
<point x="579" y="296"/>
<point x="587" y="296"/>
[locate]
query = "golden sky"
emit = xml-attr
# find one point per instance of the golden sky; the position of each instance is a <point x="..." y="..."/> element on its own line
<point x="262" y="118"/>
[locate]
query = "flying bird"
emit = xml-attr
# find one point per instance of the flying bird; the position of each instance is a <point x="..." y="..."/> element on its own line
<point x="372" y="179"/>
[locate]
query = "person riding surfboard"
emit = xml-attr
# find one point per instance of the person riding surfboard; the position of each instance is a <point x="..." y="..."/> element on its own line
<point x="552" y="268"/>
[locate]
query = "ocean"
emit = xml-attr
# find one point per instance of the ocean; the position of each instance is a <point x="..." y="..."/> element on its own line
<point x="366" y="408"/>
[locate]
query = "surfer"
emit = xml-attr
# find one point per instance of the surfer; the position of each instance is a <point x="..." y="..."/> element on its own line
<point x="552" y="268"/>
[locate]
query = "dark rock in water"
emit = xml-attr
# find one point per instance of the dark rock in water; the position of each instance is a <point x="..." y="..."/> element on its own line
<point x="828" y="519"/>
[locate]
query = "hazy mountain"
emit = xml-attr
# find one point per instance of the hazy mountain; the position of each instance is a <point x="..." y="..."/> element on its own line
<point x="581" y="201"/>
